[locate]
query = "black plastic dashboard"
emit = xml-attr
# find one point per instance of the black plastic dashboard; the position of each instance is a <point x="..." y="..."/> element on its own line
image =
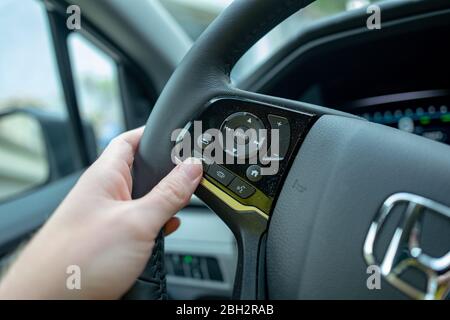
<point x="397" y="76"/>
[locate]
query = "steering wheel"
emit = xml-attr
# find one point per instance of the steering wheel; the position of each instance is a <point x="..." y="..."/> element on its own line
<point x="313" y="227"/>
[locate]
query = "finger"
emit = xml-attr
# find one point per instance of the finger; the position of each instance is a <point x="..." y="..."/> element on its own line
<point x="171" y="194"/>
<point x="171" y="226"/>
<point x="123" y="147"/>
<point x="119" y="155"/>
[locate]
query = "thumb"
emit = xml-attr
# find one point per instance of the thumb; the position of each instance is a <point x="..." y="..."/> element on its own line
<point x="172" y="193"/>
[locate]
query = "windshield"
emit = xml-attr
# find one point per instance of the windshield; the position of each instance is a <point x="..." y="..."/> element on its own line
<point x="194" y="16"/>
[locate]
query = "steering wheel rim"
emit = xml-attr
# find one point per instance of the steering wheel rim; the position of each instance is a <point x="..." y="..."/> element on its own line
<point x="204" y="77"/>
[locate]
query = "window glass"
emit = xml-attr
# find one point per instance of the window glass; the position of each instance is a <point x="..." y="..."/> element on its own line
<point x="28" y="70"/>
<point x="97" y="86"/>
<point x="32" y="102"/>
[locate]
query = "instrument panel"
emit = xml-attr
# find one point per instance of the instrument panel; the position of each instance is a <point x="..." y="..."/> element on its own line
<point x="425" y="113"/>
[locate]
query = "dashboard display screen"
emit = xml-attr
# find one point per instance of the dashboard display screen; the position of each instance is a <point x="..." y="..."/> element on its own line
<point x="425" y="113"/>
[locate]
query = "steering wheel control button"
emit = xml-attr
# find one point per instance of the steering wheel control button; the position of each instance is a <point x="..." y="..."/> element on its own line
<point x="254" y="173"/>
<point x="242" y="188"/>
<point x="282" y="124"/>
<point x="240" y="137"/>
<point x="237" y="126"/>
<point x="205" y="140"/>
<point x="220" y="174"/>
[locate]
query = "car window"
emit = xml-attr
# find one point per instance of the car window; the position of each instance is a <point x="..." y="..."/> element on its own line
<point x="31" y="99"/>
<point x="28" y="70"/>
<point x="97" y="88"/>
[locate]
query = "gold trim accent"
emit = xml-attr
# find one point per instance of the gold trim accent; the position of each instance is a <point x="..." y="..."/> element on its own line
<point x="230" y="201"/>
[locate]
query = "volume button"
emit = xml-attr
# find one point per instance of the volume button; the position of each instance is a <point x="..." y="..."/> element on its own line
<point x="282" y="124"/>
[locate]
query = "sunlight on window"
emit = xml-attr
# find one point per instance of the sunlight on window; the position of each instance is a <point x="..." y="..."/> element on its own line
<point x="28" y="70"/>
<point x="97" y="88"/>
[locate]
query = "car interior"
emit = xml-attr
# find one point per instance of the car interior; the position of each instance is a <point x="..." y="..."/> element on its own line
<point x="364" y="117"/>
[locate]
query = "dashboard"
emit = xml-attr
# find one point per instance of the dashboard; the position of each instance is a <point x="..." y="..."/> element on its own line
<point x="397" y="76"/>
<point x="425" y="113"/>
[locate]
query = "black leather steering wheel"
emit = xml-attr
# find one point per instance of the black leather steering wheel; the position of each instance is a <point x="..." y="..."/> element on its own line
<point x="300" y="233"/>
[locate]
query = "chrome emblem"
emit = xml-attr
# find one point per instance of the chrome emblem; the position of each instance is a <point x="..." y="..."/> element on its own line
<point x="404" y="250"/>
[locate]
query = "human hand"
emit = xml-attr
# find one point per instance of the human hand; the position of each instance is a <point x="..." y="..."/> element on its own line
<point x="99" y="228"/>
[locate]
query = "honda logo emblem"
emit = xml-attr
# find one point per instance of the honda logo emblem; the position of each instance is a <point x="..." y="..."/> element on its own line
<point x="404" y="250"/>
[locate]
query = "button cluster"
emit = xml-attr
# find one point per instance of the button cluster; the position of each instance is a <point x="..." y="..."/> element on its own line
<point x="228" y="179"/>
<point x="196" y="267"/>
<point x="236" y="127"/>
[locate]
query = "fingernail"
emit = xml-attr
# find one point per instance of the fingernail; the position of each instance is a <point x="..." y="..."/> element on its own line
<point x="192" y="168"/>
